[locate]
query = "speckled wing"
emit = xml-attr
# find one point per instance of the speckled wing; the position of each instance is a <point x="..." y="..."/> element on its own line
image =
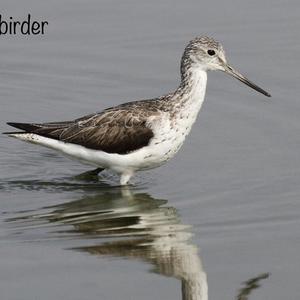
<point x="119" y="130"/>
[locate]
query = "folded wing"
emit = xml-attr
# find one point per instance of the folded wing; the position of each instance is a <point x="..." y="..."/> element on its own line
<point x="113" y="131"/>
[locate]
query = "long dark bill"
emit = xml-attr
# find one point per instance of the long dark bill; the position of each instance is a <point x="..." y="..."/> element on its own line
<point x="228" y="69"/>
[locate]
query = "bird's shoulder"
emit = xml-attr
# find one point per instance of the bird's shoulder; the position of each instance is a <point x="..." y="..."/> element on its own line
<point x="130" y="114"/>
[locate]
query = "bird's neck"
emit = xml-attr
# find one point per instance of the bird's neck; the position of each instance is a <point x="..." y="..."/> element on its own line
<point x="191" y="91"/>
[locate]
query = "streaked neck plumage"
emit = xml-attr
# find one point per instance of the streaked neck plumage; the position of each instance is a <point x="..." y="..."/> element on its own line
<point x="191" y="91"/>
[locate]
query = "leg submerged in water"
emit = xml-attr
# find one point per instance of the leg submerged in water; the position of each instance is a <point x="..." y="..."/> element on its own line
<point x="89" y="175"/>
<point x="125" y="178"/>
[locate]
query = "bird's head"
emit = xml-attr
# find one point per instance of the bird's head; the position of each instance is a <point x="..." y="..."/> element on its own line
<point x="207" y="54"/>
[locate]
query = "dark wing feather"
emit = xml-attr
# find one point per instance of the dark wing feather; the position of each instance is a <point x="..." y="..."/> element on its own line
<point x="114" y="130"/>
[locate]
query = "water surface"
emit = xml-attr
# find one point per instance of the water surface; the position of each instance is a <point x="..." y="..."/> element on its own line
<point x="221" y="218"/>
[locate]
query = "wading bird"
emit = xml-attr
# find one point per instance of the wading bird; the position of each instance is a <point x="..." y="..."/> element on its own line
<point x="138" y="135"/>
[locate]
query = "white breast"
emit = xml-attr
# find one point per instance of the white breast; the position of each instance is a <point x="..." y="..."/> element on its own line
<point x="171" y="129"/>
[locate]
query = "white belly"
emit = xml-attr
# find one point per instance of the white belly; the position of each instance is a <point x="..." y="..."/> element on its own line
<point x="169" y="136"/>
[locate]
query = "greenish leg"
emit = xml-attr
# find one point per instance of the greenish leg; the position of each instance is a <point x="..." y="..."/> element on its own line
<point x="89" y="175"/>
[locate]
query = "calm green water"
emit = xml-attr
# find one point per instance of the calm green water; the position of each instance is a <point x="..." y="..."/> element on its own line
<point x="222" y="218"/>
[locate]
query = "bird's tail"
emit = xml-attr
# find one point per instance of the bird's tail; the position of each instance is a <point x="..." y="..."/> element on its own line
<point x="27" y="134"/>
<point x="30" y="134"/>
<point x="26" y="127"/>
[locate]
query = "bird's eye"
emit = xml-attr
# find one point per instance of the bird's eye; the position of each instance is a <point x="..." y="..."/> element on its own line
<point x="211" y="52"/>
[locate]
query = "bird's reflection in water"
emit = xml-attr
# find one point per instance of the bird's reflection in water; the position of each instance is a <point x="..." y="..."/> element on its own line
<point x="126" y="223"/>
<point x="143" y="228"/>
<point x="137" y="227"/>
